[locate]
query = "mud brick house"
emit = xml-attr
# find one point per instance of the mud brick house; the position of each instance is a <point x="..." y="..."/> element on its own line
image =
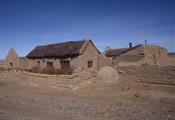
<point x="13" y="61"/>
<point x="141" y="54"/>
<point x="83" y="54"/>
<point x="73" y="54"/>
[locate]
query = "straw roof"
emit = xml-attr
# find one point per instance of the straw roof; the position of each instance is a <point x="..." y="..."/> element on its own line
<point x="115" y="52"/>
<point x="60" y="50"/>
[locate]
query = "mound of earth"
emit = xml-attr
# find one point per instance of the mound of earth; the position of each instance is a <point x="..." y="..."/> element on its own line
<point x="107" y="75"/>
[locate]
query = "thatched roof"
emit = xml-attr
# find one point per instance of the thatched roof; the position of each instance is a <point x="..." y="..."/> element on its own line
<point x="60" y="50"/>
<point x="115" y="52"/>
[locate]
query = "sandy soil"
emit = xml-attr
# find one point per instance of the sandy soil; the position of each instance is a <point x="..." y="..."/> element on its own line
<point x="27" y="96"/>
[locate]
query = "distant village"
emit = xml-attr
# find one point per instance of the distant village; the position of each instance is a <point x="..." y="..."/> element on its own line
<point x="83" y="54"/>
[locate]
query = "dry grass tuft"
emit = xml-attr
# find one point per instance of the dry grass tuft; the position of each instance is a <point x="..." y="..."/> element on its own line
<point x="2" y="69"/>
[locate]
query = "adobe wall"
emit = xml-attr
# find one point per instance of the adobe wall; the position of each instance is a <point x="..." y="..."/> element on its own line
<point x="170" y="60"/>
<point x="90" y="53"/>
<point x="2" y="63"/>
<point x="145" y="54"/>
<point x="43" y="63"/>
<point x="23" y="63"/>
<point x="104" y="61"/>
<point x="155" y="55"/>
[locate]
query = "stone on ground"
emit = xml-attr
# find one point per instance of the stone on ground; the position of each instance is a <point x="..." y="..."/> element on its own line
<point x="107" y="74"/>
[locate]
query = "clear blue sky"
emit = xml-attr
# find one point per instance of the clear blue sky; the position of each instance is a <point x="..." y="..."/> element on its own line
<point x="25" y="24"/>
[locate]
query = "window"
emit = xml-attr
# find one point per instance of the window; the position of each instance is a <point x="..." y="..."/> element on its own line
<point x="38" y="63"/>
<point x="90" y="63"/>
<point x="49" y="64"/>
<point x="65" y="64"/>
<point x="142" y="55"/>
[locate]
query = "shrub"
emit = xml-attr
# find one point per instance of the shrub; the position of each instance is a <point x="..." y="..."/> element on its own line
<point x="2" y="69"/>
<point x="137" y="94"/>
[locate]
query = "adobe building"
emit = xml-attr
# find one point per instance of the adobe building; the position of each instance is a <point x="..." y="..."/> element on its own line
<point x="13" y="61"/>
<point x="83" y="54"/>
<point x="73" y="54"/>
<point x="141" y="54"/>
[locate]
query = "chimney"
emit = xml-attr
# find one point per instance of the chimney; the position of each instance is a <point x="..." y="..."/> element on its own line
<point x="145" y="42"/>
<point x="130" y="45"/>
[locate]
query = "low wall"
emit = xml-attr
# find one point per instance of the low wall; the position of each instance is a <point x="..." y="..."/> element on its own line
<point x="2" y="63"/>
<point x="170" y="60"/>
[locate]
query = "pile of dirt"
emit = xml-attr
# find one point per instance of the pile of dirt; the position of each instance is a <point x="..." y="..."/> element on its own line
<point x="107" y="75"/>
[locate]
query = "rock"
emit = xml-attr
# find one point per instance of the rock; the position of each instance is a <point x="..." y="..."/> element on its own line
<point x="137" y="94"/>
<point x="107" y="74"/>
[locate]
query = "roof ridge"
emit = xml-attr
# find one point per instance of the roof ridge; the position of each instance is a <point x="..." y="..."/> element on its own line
<point x="72" y="41"/>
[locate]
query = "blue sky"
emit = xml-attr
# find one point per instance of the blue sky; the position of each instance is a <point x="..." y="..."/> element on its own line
<point x="25" y="24"/>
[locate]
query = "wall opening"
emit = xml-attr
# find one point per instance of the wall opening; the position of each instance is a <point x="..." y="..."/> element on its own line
<point x="49" y="64"/>
<point x="11" y="65"/>
<point x="38" y="64"/>
<point x="65" y="64"/>
<point x="155" y="59"/>
<point x="90" y="64"/>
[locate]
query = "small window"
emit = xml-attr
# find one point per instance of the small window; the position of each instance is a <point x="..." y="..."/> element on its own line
<point x="65" y="64"/>
<point x="38" y="62"/>
<point x="90" y="63"/>
<point x="142" y="55"/>
<point x="49" y="64"/>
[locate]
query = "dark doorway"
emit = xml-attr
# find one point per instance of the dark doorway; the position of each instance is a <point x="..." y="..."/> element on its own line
<point x="38" y="64"/>
<point x="11" y="65"/>
<point x="65" y="64"/>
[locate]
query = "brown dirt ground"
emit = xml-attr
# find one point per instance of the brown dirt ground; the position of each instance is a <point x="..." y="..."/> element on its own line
<point x="28" y="96"/>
